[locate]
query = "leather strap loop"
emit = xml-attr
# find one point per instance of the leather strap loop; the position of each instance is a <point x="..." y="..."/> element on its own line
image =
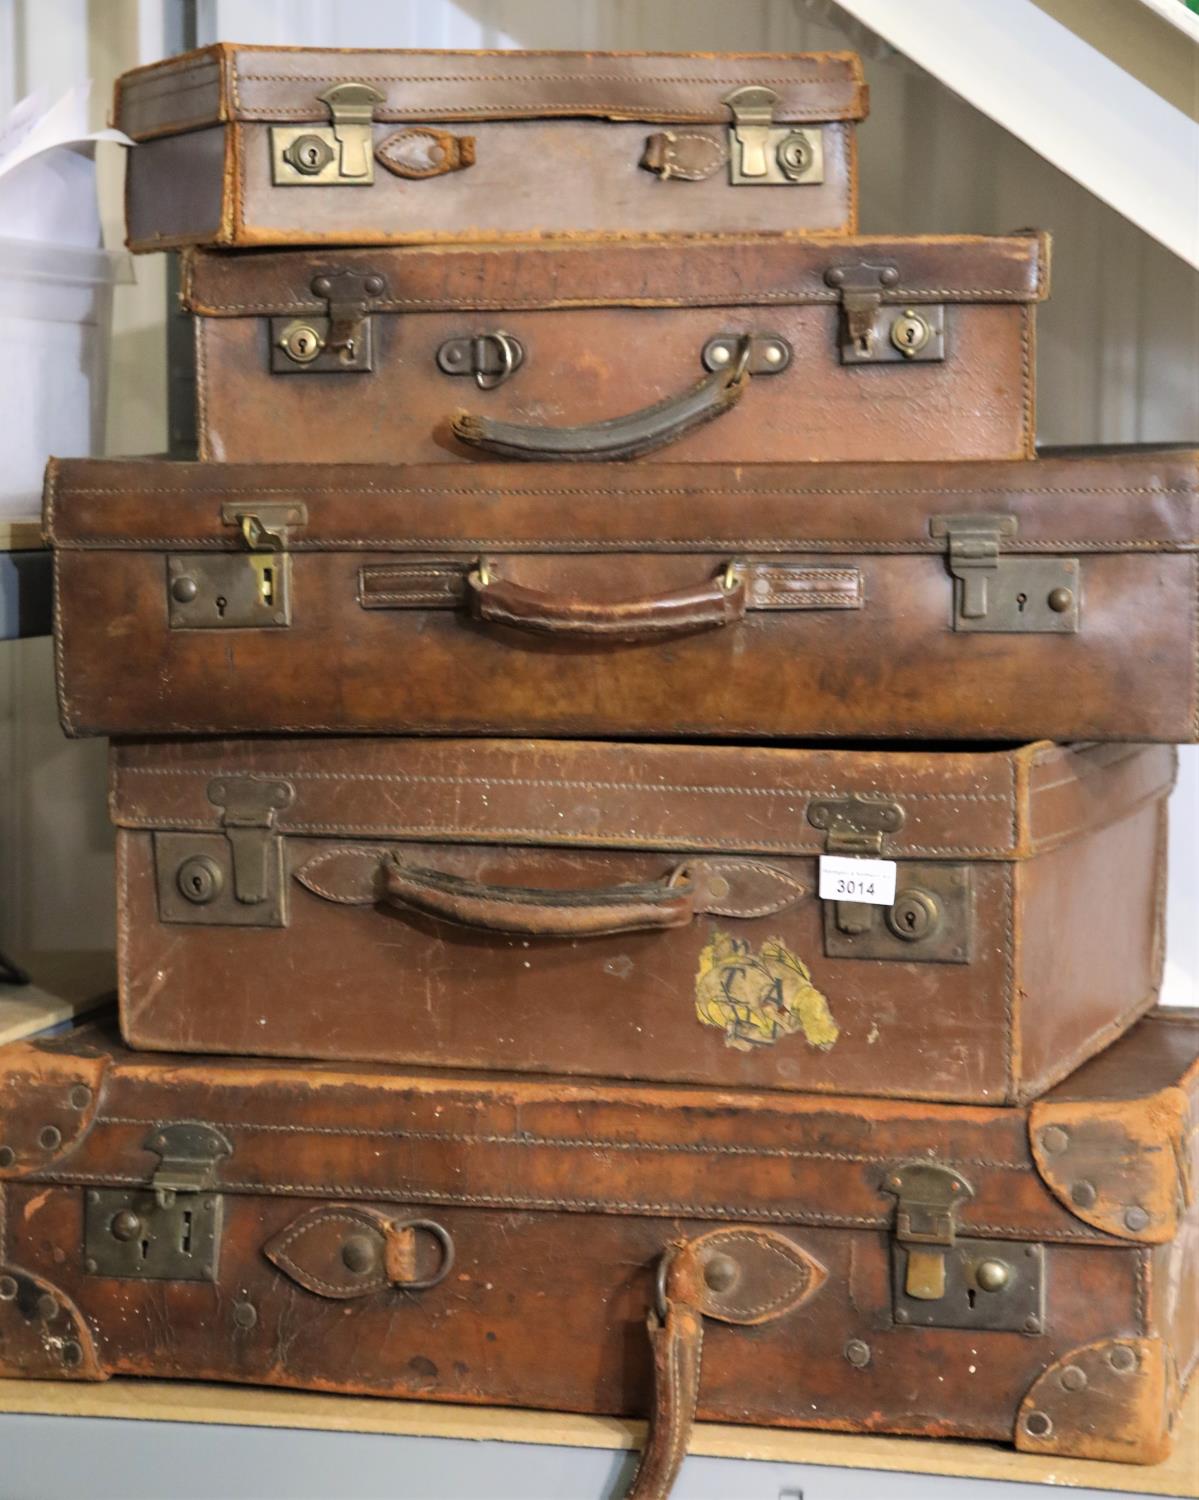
<point x="676" y="1341"/>
<point x="537" y="913"/>
<point x="708" y="606"/>
<point x="620" y="437"/>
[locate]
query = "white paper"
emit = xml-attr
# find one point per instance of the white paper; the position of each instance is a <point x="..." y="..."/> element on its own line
<point x="871" y="881"/>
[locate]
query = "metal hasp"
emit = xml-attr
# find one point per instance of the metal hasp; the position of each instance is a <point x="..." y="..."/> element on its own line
<point x="170" y="1231"/>
<point x="339" y="341"/>
<point x="873" y="332"/>
<point x="489" y="357"/>
<point x="247" y="590"/>
<point x="249" y="806"/>
<point x="1005" y="595"/>
<point x="931" y="920"/>
<point x="763" y="154"/>
<point x="854" y="825"/>
<point x="335" y="155"/>
<point x="940" y="1280"/>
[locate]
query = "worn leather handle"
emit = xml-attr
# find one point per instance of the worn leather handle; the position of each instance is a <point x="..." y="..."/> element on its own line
<point x="619" y="437"/>
<point x="537" y="913"/>
<point x="720" y="601"/>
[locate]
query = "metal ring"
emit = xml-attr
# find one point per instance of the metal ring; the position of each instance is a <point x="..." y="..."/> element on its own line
<point x="442" y="1236"/>
<point x="482" y="571"/>
<point x="744" y="349"/>
<point x="487" y="382"/>
<point x="661" y="1301"/>
<point x="730" y="575"/>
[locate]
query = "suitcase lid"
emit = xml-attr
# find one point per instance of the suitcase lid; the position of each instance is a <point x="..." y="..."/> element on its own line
<point x="979" y="804"/>
<point x="279" y="85"/>
<point x="1145" y="501"/>
<point x="82" y="1109"/>
<point x="753" y="271"/>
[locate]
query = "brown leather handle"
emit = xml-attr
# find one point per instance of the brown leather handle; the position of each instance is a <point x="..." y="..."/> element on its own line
<point x="537" y="913"/>
<point x="719" y="601"/>
<point x="620" y="437"/>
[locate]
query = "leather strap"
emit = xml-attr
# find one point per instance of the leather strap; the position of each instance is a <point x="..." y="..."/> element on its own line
<point x="537" y="913"/>
<point x="720" y="601"/>
<point x="620" y="437"/>
<point x="676" y="1342"/>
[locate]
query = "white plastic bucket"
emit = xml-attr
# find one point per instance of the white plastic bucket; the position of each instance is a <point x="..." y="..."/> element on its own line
<point x="55" y="325"/>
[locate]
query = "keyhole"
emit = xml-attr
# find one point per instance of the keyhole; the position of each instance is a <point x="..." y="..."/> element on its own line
<point x="1021" y="601"/>
<point x="144" y="1247"/>
<point x="268" y="586"/>
<point x="185" y="1234"/>
<point x="909" y="919"/>
<point x="197" y="885"/>
<point x="970" y="1296"/>
<point x="310" y="156"/>
<point x="221" y="605"/>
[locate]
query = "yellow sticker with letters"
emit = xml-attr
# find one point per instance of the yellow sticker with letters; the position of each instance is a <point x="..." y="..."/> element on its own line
<point x="756" y="998"/>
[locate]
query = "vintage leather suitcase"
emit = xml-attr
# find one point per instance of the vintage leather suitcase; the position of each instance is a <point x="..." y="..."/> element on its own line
<point x="1021" y="1276"/>
<point x="736" y="350"/>
<point x="642" y="911"/>
<point x="287" y="146"/>
<point x="1054" y="599"/>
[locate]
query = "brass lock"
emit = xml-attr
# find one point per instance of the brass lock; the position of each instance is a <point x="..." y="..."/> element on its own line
<point x="200" y="879"/>
<point x="795" y="155"/>
<point x="910" y="333"/>
<point x="309" y="154"/>
<point x="301" y="342"/>
<point x="915" y="915"/>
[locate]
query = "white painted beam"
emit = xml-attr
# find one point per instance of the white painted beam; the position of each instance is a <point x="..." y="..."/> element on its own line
<point x="1066" y="100"/>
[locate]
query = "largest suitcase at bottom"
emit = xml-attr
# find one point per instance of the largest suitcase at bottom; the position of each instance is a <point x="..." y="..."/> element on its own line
<point x="1023" y="1275"/>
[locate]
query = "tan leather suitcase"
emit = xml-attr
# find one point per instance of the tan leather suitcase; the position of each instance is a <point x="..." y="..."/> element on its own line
<point x="1021" y="1276"/>
<point x="1055" y="599"/>
<point x="301" y="146"/>
<point x="737" y="350"/>
<point x="643" y="911"/>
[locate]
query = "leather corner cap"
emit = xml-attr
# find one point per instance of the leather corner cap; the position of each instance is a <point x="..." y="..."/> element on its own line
<point x="50" y="1103"/>
<point x="1111" y="1400"/>
<point x="43" y="1335"/>
<point x="421" y="151"/>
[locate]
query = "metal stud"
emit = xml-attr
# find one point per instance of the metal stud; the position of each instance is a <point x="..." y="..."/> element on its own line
<point x="721" y="1273"/>
<point x="49" y="1138"/>
<point x="857" y="1352"/>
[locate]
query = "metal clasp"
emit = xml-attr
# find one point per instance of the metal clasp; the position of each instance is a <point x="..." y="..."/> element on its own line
<point x="341" y="339"/>
<point x="926" y="1222"/>
<point x="249" y="806"/>
<point x="874" y="333"/>
<point x="489" y="357"/>
<point x="335" y="155"/>
<point x="764" y="154"/>
<point x="855" y="825"/>
<point x="190" y="1152"/>
<point x="1009" y="595"/>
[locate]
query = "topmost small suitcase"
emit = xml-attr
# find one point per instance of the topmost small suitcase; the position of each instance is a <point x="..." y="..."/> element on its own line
<point x="255" y="145"/>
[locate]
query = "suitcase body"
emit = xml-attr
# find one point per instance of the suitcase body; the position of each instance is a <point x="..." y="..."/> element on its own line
<point x="1007" y="1275"/>
<point x="735" y="351"/>
<point x="930" y="601"/>
<point x="642" y="911"/>
<point x="266" y="146"/>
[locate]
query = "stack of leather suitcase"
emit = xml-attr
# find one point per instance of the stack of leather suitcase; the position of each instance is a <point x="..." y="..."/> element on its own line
<point x="720" y="893"/>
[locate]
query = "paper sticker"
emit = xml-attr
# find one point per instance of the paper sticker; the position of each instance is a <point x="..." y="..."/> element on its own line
<point x="871" y="881"/>
<point x="756" y="998"/>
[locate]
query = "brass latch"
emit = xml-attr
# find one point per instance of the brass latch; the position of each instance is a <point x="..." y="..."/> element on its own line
<point x="246" y="590"/>
<point x="874" y="332"/>
<point x="338" y="340"/>
<point x="856" y="826"/>
<point x="998" y="594"/>
<point x="335" y="155"/>
<point x="764" y="154"/>
<point x="249" y="805"/>
<point x="171" y="1231"/>
<point x="926" y="1222"/>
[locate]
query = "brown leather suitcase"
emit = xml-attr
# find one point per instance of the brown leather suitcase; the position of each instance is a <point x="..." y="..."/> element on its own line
<point x="301" y="146"/>
<point x="1021" y="1276"/>
<point x="1055" y="599"/>
<point x="643" y="911"/>
<point x="737" y="350"/>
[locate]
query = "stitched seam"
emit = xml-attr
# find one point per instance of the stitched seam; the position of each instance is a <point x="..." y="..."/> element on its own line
<point x="792" y="1259"/>
<point x="1011" y="1084"/>
<point x="634" y="77"/>
<point x="1142" y="1293"/>
<point x="60" y="667"/>
<point x="1027" y="436"/>
<point x="203" y="447"/>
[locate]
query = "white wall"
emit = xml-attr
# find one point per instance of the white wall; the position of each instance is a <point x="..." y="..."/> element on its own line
<point x="1119" y="337"/>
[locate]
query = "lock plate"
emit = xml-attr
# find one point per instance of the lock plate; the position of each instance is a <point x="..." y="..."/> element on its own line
<point x="336" y="155"/>
<point x="903" y="334"/>
<point x="1021" y="593"/>
<point x="299" y="334"/>
<point x="765" y="154"/>
<point x="971" y="1298"/>
<point x="930" y="922"/>
<point x="128" y="1233"/>
<point x="196" y="882"/>
<point x="229" y="590"/>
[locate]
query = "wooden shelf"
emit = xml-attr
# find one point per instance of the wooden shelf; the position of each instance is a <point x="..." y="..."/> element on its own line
<point x="252" y="1406"/>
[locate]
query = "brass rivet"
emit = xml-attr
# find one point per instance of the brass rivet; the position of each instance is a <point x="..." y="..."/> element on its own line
<point x="993" y="1275"/>
<point x="184" y="589"/>
<point x="49" y="1138"/>
<point x="8" y="1288"/>
<point x="857" y="1352"/>
<point x="47" y="1307"/>
<point x="718" y="886"/>
<point x="1054" y="1139"/>
<point x="359" y="1254"/>
<point x="1083" y="1194"/>
<point x="91" y="1266"/>
<point x="1122" y="1359"/>
<point x="1135" y="1218"/>
<point x="890" y="276"/>
<point x="1032" y="1324"/>
<point x="1038" y="1424"/>
<point x="7" y="1156"/>
<point x="1073" y="1378"/>
<point x="93" y="1196"/>
<point x="245" y="1314"/>
<point x="374" y="285"/>
<point x="80" y="1096"/>
<point x="72" y="1353"/>
<point x="1060" y="600"/>
<point x="721" y="1273"/>
<point x="901" y="1315"/>
<point x="125" y="1226"/>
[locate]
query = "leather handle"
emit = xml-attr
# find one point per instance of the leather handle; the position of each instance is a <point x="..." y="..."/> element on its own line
<point x="537" y="913"/>
<point x="619" y="437"/>
<point x="720" y="601"/>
